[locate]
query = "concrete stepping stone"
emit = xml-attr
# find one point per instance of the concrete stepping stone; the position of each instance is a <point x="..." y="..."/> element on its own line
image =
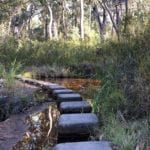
<point x="61" y="91"/>
<point x="75" y="107"/>
<point x="69" y="97"/>
<point x="90" y="145"/>
<point x="77" y="125"/>
<point x="52" y="87"/>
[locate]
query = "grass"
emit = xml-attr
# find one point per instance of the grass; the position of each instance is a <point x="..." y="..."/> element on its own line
<point x="8" y="74"/>
<point x="126" y="136"/>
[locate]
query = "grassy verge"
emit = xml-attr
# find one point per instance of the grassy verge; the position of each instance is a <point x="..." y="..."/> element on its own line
<point x="127" y="135"/>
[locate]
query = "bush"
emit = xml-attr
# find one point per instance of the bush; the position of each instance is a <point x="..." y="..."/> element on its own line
<point x="109" y="98"/>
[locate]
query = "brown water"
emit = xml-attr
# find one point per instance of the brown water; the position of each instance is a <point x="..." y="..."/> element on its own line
<point x="86" y="87"/>
<point x="76" y="84"/>
<point x="42" y="132"/>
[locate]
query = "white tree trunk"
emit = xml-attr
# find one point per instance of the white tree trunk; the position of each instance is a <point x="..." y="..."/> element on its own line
<point x="55" y="30"/>
<point x="51" y="20"/>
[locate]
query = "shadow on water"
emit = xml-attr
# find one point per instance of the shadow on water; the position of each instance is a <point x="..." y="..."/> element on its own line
<point x="42" y="132"/>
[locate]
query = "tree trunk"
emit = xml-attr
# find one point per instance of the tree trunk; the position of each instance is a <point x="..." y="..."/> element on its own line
<point x="64" y="29"/>
<point x="45" y="28"/>
<point x="90" y="16"/>
<point x="112" y="20"/>
<point x="117" y="16"/>
<point x="101" y="24"/>
<point x="51" y="19"/>
<point x="55" y="30"/>
<point x="29" y="28"/>
<point x="82" y="19"/>
<point x="126" y="16"/>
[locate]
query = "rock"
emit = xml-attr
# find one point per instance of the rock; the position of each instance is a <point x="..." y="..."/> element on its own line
<point x="69" y="97"/>
<point x="77" y="124"/>
<point x="75" y="107"/>
<point x="90" y="145"/>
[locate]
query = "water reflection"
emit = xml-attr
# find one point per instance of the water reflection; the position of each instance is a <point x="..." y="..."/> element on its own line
<point x="76" y="84"/>
<point x="86" y="87"/>
<point x="42" y="131"/>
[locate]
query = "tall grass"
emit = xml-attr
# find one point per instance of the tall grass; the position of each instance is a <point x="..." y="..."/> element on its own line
<point x="125" y="89"/>
<point x="9" y="74"/>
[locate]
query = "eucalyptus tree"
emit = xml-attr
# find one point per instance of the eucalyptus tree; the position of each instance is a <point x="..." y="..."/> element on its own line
<point x="109" y="9"/>
<point x="82" y="19"/>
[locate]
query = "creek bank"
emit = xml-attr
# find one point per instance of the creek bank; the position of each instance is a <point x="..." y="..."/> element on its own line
<point x="13" y="129"/>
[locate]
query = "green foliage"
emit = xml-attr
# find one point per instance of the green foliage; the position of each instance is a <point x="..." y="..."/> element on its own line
<point x="8" y="50"/>
<point x="61" y="53"/>
<point x="126" y="136"/>
<point x="9" y="74"/>
<point x="109" y="98"/>
<point x="7" y="7"/>
<point x="125" y="76"/>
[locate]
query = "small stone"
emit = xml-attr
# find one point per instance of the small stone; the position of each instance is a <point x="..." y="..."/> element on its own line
<point x="69" y="97"/>
<point x="77" y="123"/>
<point x="90" y="145"/>
<point x="75" y="107"/>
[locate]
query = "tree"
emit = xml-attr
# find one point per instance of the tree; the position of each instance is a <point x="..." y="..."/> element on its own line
<point x="82" y="19"/>
<point x="101" y="20"/>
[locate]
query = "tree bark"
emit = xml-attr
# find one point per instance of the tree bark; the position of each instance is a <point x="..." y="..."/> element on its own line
<point x="101" y="24"/>
<point x="64" y="29"/>
<point x="45" y="28"/>
<point x="82" y="19"/>
<point x="55" y="30"/>
<point x="111" y="18"/>
<point x="51" y="20"/>
<point x="126" y="16"/>
<point x="90" y="16"/>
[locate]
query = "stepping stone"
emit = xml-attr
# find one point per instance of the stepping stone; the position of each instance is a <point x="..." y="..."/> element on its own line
<point x="93" y="145"/>
<point x="62" y="91"/>
<point x="77" y="125"/>
<point x="69" y="97"/>
<point x="75" y="107"/>
<point x="52" y="87"/>
<point x="46" y="85"/>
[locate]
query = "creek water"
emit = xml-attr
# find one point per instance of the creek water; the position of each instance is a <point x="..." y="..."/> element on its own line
<point x="42" y="131"/>
<point x="76" y="84"/>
